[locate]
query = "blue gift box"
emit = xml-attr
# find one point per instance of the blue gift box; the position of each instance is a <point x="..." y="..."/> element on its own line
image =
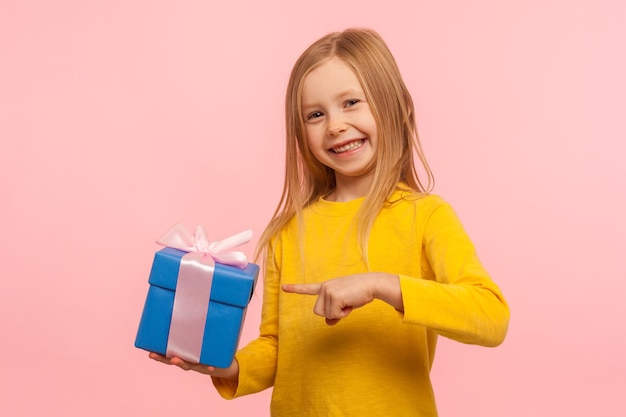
<point x="230" y="294"/>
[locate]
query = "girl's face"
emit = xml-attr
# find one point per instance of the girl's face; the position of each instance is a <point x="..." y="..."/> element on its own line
<point x="340" y="127"/>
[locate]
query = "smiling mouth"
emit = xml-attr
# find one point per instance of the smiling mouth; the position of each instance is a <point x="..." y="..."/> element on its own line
<point x="349" y="146"/>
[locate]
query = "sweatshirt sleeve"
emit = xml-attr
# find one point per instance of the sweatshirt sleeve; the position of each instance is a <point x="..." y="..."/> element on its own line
<point x="461" y="302"/>
<point x="257" y="361"/>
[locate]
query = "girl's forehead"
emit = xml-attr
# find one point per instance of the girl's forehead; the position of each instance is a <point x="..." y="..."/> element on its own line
<point x="330" y="67"/>
<point x="332" y="75"/>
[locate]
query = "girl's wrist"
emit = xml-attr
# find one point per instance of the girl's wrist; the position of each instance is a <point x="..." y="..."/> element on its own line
<point x="387" y="288"/>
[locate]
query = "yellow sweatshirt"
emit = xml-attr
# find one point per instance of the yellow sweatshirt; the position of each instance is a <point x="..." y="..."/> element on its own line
<point x="375" y="362"/>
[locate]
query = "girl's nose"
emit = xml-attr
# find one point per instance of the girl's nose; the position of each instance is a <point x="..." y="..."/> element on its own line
<point x="336" y="126"/>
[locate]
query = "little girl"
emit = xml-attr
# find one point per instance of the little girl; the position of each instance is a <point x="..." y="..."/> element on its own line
<point x="364" y="268"/>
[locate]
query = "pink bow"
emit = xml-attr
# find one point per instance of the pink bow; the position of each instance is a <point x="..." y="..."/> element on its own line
<point x="180" y="238"/>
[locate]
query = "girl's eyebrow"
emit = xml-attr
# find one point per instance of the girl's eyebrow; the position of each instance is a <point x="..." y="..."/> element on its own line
<point x="344" y="94"/>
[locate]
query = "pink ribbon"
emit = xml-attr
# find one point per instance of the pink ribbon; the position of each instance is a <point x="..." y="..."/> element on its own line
<point x="193" y="288"/>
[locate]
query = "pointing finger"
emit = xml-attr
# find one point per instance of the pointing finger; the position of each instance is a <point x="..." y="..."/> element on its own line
<point x="306" y="289"/>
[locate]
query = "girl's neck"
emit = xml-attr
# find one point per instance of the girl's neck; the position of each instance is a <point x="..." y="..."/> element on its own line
<point x="350" y="188"/>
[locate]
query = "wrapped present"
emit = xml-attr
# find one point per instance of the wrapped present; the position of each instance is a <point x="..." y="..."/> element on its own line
<point x="197" y="299"/>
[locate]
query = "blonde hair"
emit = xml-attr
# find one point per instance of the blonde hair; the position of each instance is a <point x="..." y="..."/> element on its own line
<point x="306" y="179"/>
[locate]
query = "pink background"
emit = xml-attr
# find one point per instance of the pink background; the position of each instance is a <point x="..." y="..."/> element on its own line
<point x="119" y="118"/>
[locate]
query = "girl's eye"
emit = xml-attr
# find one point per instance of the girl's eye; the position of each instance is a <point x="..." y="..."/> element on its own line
<point x="351" y="103"/>
<point x="314" y="115"/>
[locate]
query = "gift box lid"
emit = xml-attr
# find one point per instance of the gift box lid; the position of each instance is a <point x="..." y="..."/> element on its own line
<point x="231" y="285"/>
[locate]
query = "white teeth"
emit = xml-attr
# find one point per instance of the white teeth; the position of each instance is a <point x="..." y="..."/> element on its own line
<point x="348" y="146"/>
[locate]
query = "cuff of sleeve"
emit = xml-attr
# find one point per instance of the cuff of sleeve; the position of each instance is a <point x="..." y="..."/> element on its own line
<point x="226" y="388"/>
<point x="253" y="375"/>
<point x="415" y="304"/>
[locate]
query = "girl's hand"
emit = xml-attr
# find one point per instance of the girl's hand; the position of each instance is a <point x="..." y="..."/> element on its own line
<point x="232" y="372"/>
<point x="336" y="298"/>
